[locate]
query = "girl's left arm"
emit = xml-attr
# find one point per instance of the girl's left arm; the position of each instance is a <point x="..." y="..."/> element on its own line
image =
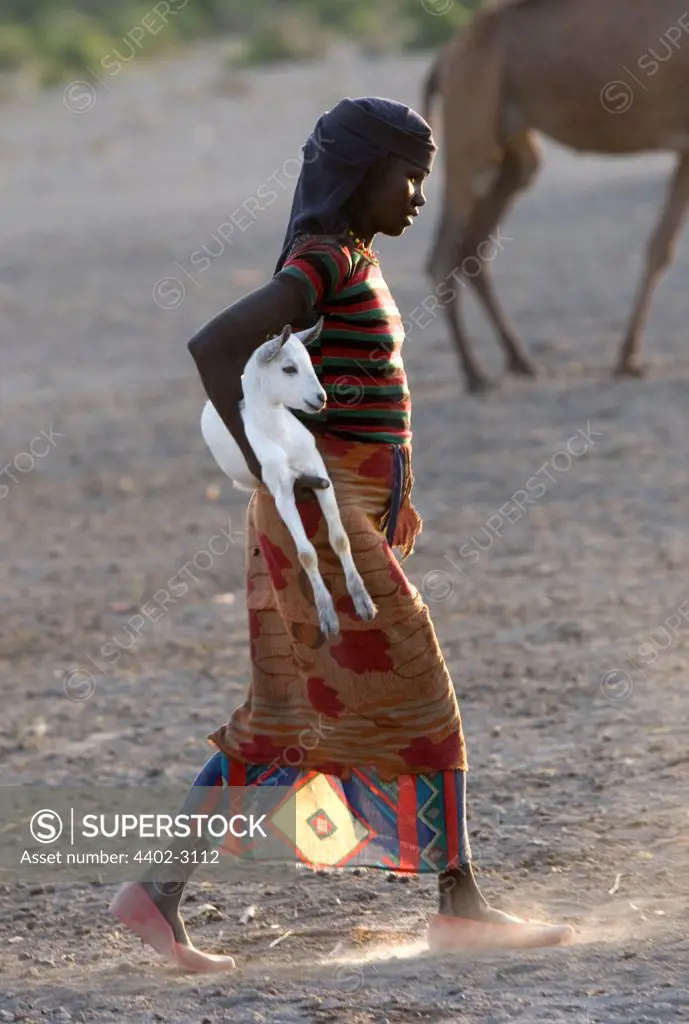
<point x="223" y="346"/>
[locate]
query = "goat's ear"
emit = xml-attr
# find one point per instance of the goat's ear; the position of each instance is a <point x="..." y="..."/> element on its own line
<point x="270" y="350"/>
<point x="312" y="333"/>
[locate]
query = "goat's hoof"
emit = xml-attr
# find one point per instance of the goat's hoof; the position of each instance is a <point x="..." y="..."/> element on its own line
<point x="329" y="623"/>
<point x="365" y="607"/>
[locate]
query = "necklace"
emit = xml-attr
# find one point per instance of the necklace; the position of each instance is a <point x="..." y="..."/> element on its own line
<point x="366" y="250"/>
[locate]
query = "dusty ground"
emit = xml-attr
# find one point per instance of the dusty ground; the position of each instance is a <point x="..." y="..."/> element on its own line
<point x="573" y="782"/>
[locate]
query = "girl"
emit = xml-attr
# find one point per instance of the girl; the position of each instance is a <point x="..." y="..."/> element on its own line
<point x="385" y="759"/>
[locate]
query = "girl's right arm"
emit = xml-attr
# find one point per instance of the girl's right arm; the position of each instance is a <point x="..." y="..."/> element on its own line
<point x="223" y="346"/>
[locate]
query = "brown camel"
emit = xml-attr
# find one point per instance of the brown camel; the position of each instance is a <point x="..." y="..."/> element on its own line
<point x="599" y="76"/>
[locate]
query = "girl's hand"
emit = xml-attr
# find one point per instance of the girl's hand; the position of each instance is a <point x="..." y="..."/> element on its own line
<point x="304" y="486"/>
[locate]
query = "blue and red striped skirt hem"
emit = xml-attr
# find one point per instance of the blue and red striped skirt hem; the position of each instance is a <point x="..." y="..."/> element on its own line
<point x="414" y="823"/>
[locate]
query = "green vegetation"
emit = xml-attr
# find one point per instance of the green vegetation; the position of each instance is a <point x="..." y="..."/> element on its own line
<point x="53" y="40"/>
<point x="294" y="35"/>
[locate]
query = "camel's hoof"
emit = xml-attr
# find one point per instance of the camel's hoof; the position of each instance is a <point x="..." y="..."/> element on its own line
<point x="479" y="385"/>
<point x="637" y="370"/>
<point x="523" y="368"/>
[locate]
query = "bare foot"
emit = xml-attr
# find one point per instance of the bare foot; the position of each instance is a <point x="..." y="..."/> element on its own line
<point x="493" y="930"/>
<point x="467" y="921"/>
<point x="136" y="910"/>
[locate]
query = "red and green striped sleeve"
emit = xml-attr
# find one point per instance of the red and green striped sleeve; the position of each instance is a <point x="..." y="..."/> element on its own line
<point x="321" y="268"/>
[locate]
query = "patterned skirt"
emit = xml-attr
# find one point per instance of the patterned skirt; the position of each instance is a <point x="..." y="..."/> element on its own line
<point x="363" y="729"/>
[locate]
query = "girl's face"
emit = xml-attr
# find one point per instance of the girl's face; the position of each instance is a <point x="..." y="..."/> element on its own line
<point x="393" y="199"/>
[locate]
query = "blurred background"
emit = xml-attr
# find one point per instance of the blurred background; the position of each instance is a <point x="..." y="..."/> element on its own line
<point x="148" y="157"/>
<point x="48" y="40"/>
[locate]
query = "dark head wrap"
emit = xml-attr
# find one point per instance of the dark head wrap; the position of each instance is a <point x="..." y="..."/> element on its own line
<point x="346" y="142"/>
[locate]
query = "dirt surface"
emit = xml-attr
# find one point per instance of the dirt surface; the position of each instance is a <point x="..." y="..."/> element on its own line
<point x="578" y="771"/>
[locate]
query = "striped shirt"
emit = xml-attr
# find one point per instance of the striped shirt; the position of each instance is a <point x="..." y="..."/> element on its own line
<point x="357" y="357"/>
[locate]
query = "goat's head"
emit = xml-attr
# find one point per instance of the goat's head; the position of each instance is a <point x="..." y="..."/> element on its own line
<point x="287" y="376"/>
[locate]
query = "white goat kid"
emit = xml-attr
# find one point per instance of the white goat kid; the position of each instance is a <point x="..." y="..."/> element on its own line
<point x="278" y="377"/>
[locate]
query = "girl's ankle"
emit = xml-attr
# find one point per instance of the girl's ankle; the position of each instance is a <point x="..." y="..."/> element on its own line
<point x="459" y="894"/>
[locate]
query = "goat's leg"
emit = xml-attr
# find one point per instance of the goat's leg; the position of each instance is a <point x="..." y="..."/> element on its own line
<point x="339" y="541"/>
<point x="518" y="169"/>
<point x="659" y="253"/>
<point x="308" y="558"/>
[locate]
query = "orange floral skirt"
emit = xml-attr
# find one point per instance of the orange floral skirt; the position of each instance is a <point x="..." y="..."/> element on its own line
<point x="376" y="697"/>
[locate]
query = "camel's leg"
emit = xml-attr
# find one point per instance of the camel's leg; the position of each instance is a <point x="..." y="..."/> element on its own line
<point x="519" y="167"/>
<point x="457" y="252"/>
<point x="444" y="270"/>
<point x="659" y="253"/>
